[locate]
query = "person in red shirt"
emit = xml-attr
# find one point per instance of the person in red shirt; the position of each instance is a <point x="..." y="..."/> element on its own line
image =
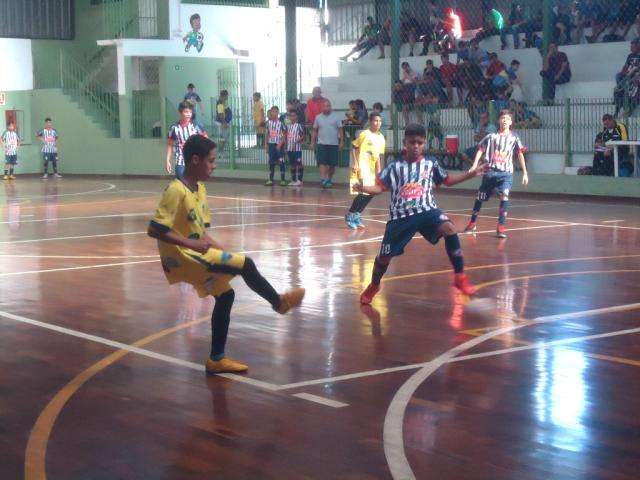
<point x="450" y="79"/>
<point x="555" y="69"/>
<point x="315" y="105"/>
<point x="495" y="66"/>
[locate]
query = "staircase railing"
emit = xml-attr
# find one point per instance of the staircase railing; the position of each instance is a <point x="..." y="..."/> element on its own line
<point x="93" y="97"/>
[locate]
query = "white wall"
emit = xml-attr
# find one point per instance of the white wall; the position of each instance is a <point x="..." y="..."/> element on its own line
<point x="16" y="64"/>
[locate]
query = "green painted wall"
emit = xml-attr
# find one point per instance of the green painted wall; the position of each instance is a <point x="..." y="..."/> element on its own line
<point x="177" y="72"/>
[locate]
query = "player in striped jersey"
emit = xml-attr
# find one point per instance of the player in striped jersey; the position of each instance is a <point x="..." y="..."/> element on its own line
<point x="179" y="133"/>
<point x="49" y="137"/>
<point x="274" y="145"/>
<point x="11" y="141"/>
<point x="411" y="179"/>
<point x="498" y="150"/>
<point x="295" y="135"/>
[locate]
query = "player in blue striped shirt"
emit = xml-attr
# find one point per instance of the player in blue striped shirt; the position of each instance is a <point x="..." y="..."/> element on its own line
<point x="49" y="137"/>
<point x="411" y="179"/>
<point x="178" y="134"/>
<point x="295" y="135"/>
<point x="11" y="141"/>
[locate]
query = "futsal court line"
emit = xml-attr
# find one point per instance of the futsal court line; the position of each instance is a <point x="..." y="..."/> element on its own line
<point x="393" y="428"/>
<point x="110" y="186"/>
<point x="321" y="400"/>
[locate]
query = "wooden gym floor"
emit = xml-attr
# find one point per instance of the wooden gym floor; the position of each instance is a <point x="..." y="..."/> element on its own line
<point x="102" y="362"/>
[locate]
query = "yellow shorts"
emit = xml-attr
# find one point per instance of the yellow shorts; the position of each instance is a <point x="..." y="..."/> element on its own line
<point x="210" y="273"/>
<point x="365" y="175"/>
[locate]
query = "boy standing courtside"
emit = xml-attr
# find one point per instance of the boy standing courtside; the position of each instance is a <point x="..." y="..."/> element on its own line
<point x="11" y="141"/>
<point x="179" y="133"/>
<point x="498" y="150"/>
<point x="411" y="179"/>
<point x="274" y="145"/>
<point x="188" y="254"/>
<point x="366" y="164"/>
<point x="49" y="137"/>
<point x="295" y="135"/>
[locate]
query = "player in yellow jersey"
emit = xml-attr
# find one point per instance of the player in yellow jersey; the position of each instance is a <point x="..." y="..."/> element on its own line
<point x="188" y="254"/>
<point x="366" y="164"/>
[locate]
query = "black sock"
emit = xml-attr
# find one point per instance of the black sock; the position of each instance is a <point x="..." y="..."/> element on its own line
<point x="452" y="244"/>
<point x="6" y="172"/>
<point x="300" y="172"/>
<point x="294" y="176"/>
<point x="476" y="210"/>
<point x="10" y="171"/>
<point x="379" y="269"/>
<point x="258" y="283"/>
<point x="220" y="319"/>
<point x="55" y="167"/>
<point x="502" y="216"/>
<point x="46" y="168"/>
<point x="283" y="171"/>
<point x="272" y="169"/>
<point x="364" y="201"/>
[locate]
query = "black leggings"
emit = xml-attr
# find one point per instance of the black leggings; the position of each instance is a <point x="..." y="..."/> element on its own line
<point x="360" y="203"/>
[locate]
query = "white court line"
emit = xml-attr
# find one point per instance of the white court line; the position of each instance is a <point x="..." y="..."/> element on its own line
<point x="217" y="227"/>
<point x="140" y="351"/>
<point x="110" y="186"/>
<point x="541" y="345"/>
<point x="80" y="257"/>
<point x="612" y="221"/>
<point x="321" y="400"/>
<point x="393" y="431"/>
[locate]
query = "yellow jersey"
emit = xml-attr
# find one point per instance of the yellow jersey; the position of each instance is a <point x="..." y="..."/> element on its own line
<point x="187" y="213"/>
<point x="371" y="148"/>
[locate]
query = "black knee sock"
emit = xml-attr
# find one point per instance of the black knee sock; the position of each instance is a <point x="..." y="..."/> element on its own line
<point x="220" y="319"/>
<point x="6" y="172"/>
<point x="294" y="174"/>
<point x="379" y="269"/>
<point x="283" y="171"/>
<point x="258" y="283"/>
<point x="10" y="170"/>
<point x="46" y="168"/>
<point x="55" y="166"/>
<point x="359" y="203"/>
<point x="476" y="210"/>
<point x="502" y="216"/>
<point x="272" y="169"/>
<point x="452" y="244"/>
<point x="300" y="172"/>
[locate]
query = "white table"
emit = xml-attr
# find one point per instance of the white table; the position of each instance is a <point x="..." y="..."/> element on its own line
<point x="619" y="143"/>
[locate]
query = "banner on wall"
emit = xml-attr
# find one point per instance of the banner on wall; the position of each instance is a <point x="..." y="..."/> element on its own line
<point x="3" y="99"/>
<point x="194" y="37"/>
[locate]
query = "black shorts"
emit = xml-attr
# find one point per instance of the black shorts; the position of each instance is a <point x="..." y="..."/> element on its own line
<point x="496" y="182"/>
<point x="50" y="157"/>
<point x="275" y="154"/>
<point x="11" y="159"/>
<point x="398" y="233"/>
<point x="295" y="159"/>
<point x="327" y="155"/>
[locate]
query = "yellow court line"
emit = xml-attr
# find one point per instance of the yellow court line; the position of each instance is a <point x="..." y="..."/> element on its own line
<point x="36" y="452"/>
<point x="608" y="358"/>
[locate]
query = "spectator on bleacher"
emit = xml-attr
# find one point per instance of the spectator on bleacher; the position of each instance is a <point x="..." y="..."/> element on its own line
<point x="496" y="72"/>
<point x="529" y="28"/>
<point x="462" y="52"/>
<point x="635" y="28"/>
<point x="259" y="119"/>
<point x="562" y="25"/>
<point x="492" y="24"/>
<point x="516" y="21"/>
<point x="589" y="15"/>
<point x="315" y="105"/>
<point x="476" y="106"/>
<point x="608" y="15"/>
<point x="478" y="56"/>
<point x="555" y="69"/>
<point x="625" y="19"/>
<point x="450" y="79"/>
<point x="384" y="38"/>
<point x="515" y="81"/>
<point x="628" y="80"/>
<point x="523" y="117"/>
<point x="193" y="97"/>
<point x="367" y="40"/>
<point x="483" y="128"/>
<point x="404" y="100"/>
<point x="429" y="87"/>
<point x="435" y="18"/>
<point x="409" y="30"/>
<point x="603" y="155"/>
<point x="472" y="78"/>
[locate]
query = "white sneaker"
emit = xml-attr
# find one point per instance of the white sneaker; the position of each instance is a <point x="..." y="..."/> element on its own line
<point x="57" y="175"/>
<point x="297" y="183"/>
<point x="45" y="176"/>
